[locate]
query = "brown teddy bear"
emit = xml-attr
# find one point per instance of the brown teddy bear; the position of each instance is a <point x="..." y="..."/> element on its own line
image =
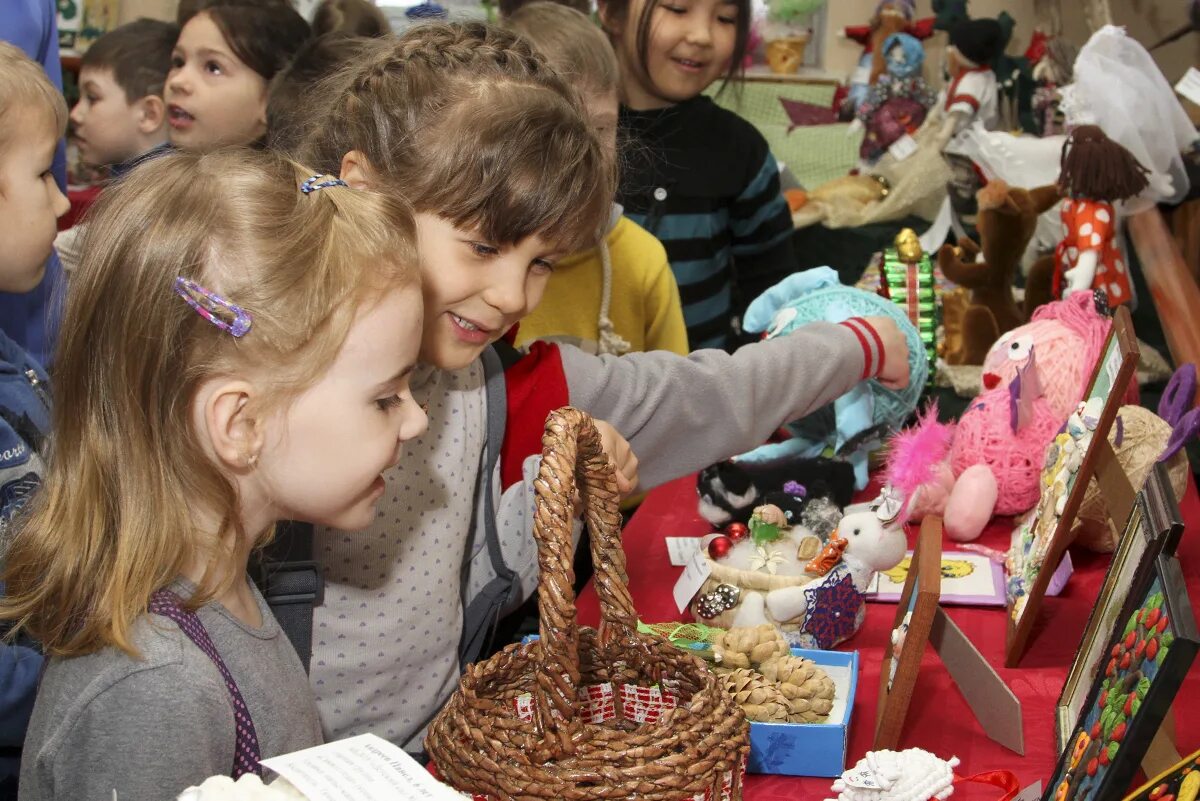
<point x="1007" y="218"/>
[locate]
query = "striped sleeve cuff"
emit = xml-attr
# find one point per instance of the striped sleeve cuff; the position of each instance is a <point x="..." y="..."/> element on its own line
<point x="872" y="345"/>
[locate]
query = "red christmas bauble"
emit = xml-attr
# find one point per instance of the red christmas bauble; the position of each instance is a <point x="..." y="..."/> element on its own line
<point x="737" y="531"/>
<point x="718" y="547"/>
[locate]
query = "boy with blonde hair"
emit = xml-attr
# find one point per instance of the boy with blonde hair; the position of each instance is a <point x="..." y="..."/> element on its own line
<point x="33" y="117"/>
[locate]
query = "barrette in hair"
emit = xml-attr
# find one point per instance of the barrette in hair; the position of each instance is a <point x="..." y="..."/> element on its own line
<point x="314" y="183"/>
<point x="212" y="307"/>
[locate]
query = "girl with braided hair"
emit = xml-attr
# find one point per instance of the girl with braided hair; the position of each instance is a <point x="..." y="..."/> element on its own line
<point x="494" y="152"/>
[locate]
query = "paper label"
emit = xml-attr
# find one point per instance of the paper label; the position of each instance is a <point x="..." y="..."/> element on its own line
<point x="1113" y="365"/>
<point x="359" y="767"/>
<point x="1189" y="85"/>
<point x="903" y="147"/>
<point x="692" y="579"/>
<point x="864" y="779"/>
<point x="1031" y="793"/>
<point x="682" y="549"/>
<point x="1060" y="577"/>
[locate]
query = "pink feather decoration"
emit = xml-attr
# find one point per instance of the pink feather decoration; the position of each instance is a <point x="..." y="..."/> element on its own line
<point x="915" y="453"/>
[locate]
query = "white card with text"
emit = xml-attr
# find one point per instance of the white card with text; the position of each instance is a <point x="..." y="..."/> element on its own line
<point x="359" y="767"/>
<point x="692" y="579"/>
<point x="682" y="549"/>
<point x="903" y="147"/>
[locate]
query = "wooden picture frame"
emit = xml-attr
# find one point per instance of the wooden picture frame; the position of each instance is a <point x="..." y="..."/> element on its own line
<point x="1153" y="528"/>
<point x="1150" y="652"/>
<point x="915" y="613"/>
<point x="1041" y="539"/>
<point x="1181" y="781"/>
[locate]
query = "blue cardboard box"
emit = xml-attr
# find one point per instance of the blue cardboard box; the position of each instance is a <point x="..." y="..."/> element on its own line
<point x="810" y="749"/>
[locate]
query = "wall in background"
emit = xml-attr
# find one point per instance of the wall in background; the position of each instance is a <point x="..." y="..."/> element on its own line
<point x="1146" y="20"/>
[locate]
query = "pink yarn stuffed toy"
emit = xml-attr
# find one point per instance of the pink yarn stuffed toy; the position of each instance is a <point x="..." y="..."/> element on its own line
<point x="989" y="463"/>
<point x="1069" y="335"/>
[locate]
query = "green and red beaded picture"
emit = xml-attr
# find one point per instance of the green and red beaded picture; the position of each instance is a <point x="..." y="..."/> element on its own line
<point x="1139" y="677"/>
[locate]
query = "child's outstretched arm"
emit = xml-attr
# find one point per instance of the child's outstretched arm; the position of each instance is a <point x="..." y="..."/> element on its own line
<point x="682" y="414"/>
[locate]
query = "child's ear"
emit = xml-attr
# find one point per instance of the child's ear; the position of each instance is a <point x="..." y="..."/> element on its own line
<point x="356" y="170"/>
<point x="229" y="424"/>
<point x="608" y="20"/>
<point x="152" y="114"/>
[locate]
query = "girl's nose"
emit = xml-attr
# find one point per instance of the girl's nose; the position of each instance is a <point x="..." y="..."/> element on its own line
<point x="415" y="423"/>
<point x="700" y="31"/>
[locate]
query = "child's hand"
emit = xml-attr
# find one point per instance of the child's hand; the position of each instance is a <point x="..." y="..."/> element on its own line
<point x="621" y="456"/>
<point x="894" y="373"/>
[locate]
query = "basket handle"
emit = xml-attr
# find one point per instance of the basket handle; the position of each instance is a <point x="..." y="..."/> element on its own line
<point x="572" y="456"/>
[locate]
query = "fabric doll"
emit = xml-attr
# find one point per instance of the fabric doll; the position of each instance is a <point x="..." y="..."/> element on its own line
<point x="970" y="96"/>
<point x="1096" y="172"/>
<point x="891" y="16"/>
<point x="896" y="104"/>
<point x="1053" y="61"/>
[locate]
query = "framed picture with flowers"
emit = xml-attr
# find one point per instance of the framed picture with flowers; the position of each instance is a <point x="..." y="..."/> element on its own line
<point x="1148" y="653"/>
<point x="1154" y="528"/>
<point x="1178" y="783"/>
<point x="910" y="634"/>
<point x="1042" y="537"/>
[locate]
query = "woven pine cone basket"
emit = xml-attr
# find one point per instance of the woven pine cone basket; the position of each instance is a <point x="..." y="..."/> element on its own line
<point x="479" y="743"/>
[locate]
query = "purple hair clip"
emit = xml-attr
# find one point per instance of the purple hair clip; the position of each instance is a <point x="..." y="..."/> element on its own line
<point x="314" y="183"/>
<point x="213" y="307"/>
<point x="795" y="489"/>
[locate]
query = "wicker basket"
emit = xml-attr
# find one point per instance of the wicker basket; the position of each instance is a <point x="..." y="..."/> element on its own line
<point x="479" y="741"/>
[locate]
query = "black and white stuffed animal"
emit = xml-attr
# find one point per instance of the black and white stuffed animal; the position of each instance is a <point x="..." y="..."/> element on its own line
<point x="730" y="491"/>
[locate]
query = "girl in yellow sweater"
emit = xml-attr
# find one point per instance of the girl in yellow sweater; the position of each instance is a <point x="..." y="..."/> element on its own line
<point x="621" y="296"/>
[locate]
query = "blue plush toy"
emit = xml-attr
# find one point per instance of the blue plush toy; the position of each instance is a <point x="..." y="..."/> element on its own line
<point x="855" y="423"/>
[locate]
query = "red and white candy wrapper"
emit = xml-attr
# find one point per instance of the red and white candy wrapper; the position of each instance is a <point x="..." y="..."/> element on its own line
<point x="597" y="704"/>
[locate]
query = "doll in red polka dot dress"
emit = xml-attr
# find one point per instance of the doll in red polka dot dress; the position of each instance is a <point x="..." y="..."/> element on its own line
<point x="1096" y="172"/>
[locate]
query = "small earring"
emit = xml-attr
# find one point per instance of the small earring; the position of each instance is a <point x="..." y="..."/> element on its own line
<point x="252" y="460"/>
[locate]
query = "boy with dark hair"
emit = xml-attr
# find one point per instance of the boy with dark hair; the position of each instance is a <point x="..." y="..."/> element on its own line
<point x="121" y="118"/>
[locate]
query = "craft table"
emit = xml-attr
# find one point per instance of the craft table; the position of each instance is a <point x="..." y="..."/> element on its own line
<point x="938" y="719"/>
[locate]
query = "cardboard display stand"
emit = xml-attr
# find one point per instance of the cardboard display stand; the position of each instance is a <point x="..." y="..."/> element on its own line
<point x="923" y="620"/>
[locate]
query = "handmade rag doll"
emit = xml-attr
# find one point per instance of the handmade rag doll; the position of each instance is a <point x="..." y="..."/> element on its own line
<point x="891" y="16"/>
<point x="1096" y="173"/>
<point x="1006" y="222"/>
<point x="896" y="104"/>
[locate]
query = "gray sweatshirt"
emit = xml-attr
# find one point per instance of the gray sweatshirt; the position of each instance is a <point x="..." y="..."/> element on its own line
<point x="150" y="728"/>
<point x="385" y="641"/>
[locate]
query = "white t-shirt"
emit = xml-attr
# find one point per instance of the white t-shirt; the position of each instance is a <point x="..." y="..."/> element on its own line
<point x="973" y="93"/>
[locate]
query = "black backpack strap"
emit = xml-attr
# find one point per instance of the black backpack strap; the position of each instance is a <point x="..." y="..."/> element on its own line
<point x="481" y="613"/>
<point x="291" y="582"/>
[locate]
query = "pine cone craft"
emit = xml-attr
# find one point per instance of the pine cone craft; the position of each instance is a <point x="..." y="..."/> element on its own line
<point x="807" y="688"/>
<point x="749" y="647"/>
<point x="761" y="700"/>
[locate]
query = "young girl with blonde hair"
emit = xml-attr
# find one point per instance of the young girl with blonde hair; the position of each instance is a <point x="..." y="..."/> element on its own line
<point x="494" y="152"/>
<point x="235" y="350"/>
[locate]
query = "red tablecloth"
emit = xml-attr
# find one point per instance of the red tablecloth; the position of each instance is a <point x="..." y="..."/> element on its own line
<point x="938" y="719"/>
